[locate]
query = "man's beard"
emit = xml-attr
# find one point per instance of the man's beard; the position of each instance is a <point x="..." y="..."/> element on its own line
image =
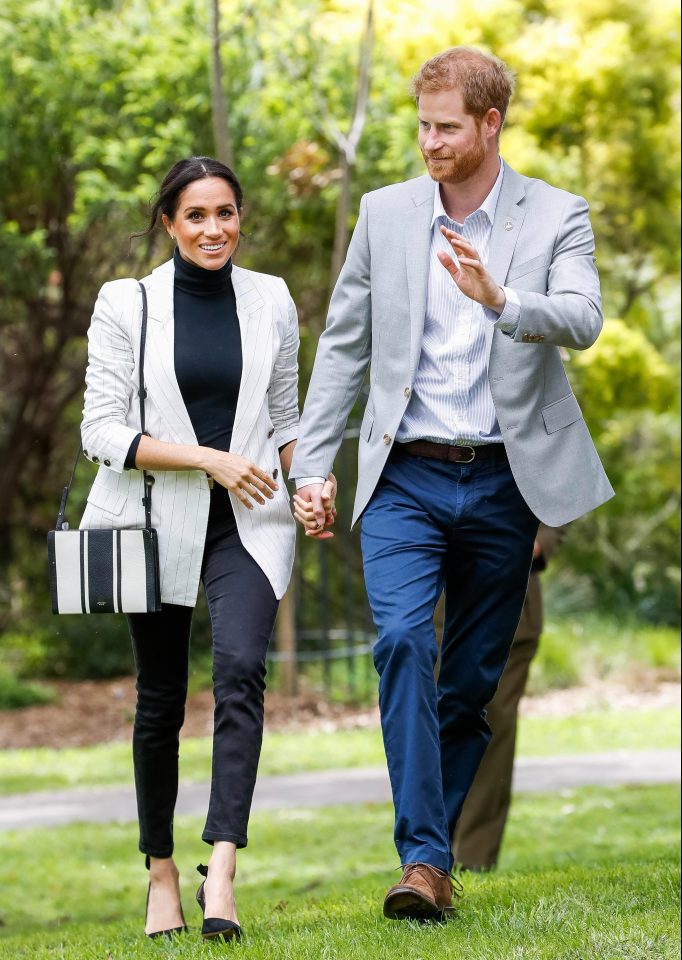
<point x="457" y="167"/>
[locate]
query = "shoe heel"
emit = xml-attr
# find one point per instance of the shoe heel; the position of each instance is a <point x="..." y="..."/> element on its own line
<point x="215" y="928"/>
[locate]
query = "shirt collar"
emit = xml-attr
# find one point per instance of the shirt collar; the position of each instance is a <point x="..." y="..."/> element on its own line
<point x="489" y="205"/>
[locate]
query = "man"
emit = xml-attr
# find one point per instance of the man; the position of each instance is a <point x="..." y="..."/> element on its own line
<point x="479" y="831"/>
<point x="460" y="287"/>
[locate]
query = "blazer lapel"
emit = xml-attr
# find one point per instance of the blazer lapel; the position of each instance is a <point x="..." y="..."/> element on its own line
<point x="418" y="249"/>
<point x="255" y="326"/>
<point x="159" y="355"/>
<point x="507" y="224"/>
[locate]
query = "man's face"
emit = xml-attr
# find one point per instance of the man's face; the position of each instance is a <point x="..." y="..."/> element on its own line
<point x="451" y="140"/>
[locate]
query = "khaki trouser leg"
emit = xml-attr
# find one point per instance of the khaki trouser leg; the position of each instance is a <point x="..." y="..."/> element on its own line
<point x="480" y="828"/>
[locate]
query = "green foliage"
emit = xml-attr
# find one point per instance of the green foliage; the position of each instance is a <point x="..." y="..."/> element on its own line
<point x="587" y="647"/>
<point x="16" y="693"/>
<point x="103" y="96"/>
<point x="557" y="665"/>
<point x="623" y="371"/>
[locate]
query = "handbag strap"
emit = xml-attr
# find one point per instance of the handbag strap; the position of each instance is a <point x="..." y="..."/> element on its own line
<point x="147" y="481"/>
<point x="142" y="394"/>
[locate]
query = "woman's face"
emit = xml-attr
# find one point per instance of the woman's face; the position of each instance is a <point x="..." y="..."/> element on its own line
<point x="206" y="223"/>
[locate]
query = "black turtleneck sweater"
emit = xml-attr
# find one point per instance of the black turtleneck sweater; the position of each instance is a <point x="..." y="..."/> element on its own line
<point x="208" y="349"/>
<point x="207" y="354"/>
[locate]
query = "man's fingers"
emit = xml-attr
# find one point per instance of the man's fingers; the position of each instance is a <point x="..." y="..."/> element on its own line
<point x="318" y="506"/>
<point x="449" y="264"/>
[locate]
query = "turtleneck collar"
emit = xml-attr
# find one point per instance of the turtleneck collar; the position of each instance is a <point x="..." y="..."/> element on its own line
<point x="199" y="282"/>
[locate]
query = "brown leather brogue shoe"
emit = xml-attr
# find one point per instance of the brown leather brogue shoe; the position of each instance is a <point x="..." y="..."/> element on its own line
<point x="424" y="893"/>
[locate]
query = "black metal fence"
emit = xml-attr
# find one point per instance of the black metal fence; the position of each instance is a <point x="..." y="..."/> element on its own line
<point x="325" y="632"/>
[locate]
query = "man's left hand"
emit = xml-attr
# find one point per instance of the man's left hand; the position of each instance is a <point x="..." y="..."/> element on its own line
<point x="471" y="276"/>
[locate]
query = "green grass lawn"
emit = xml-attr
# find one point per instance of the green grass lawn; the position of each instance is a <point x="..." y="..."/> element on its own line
<point x="42" y="769"/>
<point x="590" y="874"/>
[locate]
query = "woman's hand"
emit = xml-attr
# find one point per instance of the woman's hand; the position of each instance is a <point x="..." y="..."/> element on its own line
<point x="304" y="510"/>
<point x="238" y="475"/>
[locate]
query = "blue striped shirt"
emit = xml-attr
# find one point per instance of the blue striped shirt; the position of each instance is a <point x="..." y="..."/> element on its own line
<point x="451" y="400"/>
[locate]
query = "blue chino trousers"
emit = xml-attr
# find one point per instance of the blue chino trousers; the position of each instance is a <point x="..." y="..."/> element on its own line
<point x="464" y="528"/>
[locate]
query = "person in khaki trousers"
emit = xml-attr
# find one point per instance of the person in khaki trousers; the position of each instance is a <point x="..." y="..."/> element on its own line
<point x="480" y="828"/>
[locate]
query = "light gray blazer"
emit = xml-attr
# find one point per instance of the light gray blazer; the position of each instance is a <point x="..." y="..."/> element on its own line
<point x="542" y="247"/>
<point x="266" y="418"/>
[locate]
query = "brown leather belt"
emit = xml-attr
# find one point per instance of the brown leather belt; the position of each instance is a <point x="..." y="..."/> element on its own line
<point x="452" y="452"/>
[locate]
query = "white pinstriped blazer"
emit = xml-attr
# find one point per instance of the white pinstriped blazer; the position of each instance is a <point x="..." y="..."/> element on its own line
<point x="266" y="418"/>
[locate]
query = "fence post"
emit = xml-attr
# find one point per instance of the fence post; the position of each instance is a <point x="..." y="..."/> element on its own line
<point x="285" y="643"/>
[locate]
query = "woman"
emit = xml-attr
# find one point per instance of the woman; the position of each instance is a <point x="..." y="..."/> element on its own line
<point x="221" y="414"/>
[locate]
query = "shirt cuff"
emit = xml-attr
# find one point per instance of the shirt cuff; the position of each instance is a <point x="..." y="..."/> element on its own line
<point x="508" y="320"/>
<point x="129" y="463"/>
<point x="304" y="481"/>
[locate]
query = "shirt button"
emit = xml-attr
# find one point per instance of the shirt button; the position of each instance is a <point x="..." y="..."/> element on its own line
<point x="275" y="473"/>
<point x="107" y="463"/>
<point x="387" y="439"/>
<point x="270" y="432"/>
<point x="407" y="391"/>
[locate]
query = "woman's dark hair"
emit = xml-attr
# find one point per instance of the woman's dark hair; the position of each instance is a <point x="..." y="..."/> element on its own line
<point x="181" y="175"/>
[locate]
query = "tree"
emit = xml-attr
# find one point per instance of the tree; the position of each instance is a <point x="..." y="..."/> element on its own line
<point x="102" y="96"/>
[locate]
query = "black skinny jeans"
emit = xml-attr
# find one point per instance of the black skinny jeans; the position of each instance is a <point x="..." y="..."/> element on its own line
<point x="242" y="606"/>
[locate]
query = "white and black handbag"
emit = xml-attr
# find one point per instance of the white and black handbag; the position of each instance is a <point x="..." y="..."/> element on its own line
<point x="107" y="571"/>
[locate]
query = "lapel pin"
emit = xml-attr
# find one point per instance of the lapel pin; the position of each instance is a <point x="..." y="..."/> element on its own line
<point x="508" y="225"/>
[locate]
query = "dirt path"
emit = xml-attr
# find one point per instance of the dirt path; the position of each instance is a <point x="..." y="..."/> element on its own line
<point x="94" y="712"/>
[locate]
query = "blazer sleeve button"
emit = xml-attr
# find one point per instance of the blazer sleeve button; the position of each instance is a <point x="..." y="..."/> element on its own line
<point x="387" y="439"/>
<point x="107" y="463"/>
<point x="95" y="459"/>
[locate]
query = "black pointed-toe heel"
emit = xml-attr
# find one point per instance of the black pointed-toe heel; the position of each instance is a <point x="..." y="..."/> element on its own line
<point x="215" y="928"/>
<point x="173" y="931"/>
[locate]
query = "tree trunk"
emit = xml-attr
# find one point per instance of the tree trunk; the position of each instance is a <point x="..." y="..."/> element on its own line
<point x="341" y="222"/>
<point x="348" y="148"/>
<point x="285" y="643"/>
<point x="221" y="130"/>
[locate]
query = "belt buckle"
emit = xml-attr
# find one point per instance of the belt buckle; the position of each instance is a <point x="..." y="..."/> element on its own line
<point x="467" y="446"/>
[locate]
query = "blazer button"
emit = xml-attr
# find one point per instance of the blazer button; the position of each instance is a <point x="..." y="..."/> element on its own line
<point x="107" y="463"/>
<point x="275" y="473"/>
<point x="270" y="432"/>
<point x="387" y="439"/>
<point x="95" y="459"/>
<point x="407" y="391"/>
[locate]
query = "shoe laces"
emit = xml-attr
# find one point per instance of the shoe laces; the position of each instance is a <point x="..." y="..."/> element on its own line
<point x="455" y="884"/>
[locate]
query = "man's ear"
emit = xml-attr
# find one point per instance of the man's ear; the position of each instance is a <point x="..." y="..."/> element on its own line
<point x="492" y="122"/>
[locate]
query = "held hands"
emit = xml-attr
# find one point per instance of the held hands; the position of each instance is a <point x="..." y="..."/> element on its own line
<point x="240" y="476"/>
<point x="314" y="508"/>
<point x="471" y="276"/>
